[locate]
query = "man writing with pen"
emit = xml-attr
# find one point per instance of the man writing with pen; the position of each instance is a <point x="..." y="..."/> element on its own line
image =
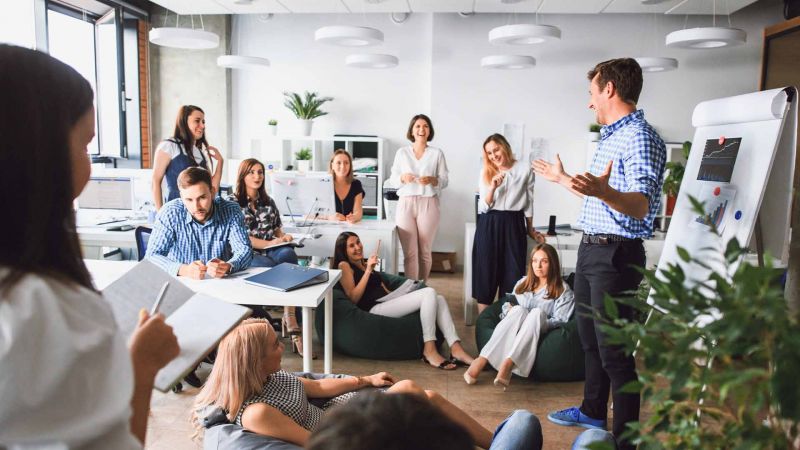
<point x="199" y="234"/>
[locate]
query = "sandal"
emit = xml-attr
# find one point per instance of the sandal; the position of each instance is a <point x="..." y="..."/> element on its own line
<point x="458" y="362"/>
<point x="444" y="365"/>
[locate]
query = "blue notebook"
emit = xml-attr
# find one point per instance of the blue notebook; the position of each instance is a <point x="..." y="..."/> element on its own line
<point x="287" y="277"/>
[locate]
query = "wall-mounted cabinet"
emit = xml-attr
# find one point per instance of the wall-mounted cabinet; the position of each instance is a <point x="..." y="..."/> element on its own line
<point x="278" y="153"/>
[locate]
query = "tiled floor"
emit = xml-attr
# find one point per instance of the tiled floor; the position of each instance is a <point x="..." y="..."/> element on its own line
<point x="169" y="427"/>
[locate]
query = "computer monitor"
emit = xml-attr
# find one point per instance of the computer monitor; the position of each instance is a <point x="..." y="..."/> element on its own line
<point x="107" y="193"/>
<point x="303" y="195"/>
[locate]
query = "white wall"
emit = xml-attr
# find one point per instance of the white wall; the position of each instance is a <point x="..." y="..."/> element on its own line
<point x="440" y="74"/>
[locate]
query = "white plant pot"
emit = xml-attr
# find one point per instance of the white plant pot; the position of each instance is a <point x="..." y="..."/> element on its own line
<point x="305" y="127"/>
<point x="304" y="165"/>
<point x="594" y="136"/>
<point x="273" y="130"/>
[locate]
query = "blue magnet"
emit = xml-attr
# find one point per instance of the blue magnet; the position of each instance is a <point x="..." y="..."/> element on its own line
<point x="738" y="215"/>
<point x="270" y="167"/>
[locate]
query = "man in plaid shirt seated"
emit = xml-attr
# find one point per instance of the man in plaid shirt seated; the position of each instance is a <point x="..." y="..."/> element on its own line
<point x="621" y="195"/>
<point x="199" y="234"/>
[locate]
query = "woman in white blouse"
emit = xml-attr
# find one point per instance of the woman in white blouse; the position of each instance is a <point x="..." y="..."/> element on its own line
<point x="66" y="377"/>
<point x="542" y="302"/>
<point x="421" y="171"/>
<point x="505" y="221"/>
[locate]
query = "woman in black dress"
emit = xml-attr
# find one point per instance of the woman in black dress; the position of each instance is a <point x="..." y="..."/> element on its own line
<point x="348" y="192"/>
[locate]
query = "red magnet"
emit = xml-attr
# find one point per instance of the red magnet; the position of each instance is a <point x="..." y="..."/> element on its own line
<point x="717" y="190"/>
<point x="721" y="140"/>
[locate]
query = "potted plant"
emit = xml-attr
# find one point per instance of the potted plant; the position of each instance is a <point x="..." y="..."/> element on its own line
<point x="273" y="126"/>
<point x="594" y="132"/>
<point x="303" y="157"/>
<point x="305" y="108"/>
<point x="727" y="381"/>
<point x="674" y="177"/>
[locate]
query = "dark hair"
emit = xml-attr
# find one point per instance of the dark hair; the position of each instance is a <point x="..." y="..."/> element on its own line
<point x="193" y="175"/>
<point x="184" y="138"/>
<point x="624" y="73"/>
<point x="349" y="158"/>
<point x="43" y="99"/>
<point x="378" y="421"/>
<point x="340" y="249"/>
<point x="410" y="134"/>
<point x="241" y="189"/>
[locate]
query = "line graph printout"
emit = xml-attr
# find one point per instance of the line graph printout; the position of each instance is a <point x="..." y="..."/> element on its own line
<point x="718" y="160"/>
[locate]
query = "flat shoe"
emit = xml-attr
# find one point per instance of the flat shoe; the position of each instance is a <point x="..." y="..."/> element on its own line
<point x="501" y="382"/>
<point x="444" y="365"/>
<point x="469" y="379"/>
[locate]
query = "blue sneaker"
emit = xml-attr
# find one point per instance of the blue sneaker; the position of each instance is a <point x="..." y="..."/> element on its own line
<point x="574" y="417"/>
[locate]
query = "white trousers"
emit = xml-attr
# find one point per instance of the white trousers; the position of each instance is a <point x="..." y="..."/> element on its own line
<point x="516" y="337"/>
<point x="432" y="309"/>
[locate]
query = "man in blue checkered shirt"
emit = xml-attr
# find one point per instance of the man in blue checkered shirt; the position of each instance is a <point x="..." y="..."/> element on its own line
<point x="199" y="234"/>
<point x="621" y="195"/>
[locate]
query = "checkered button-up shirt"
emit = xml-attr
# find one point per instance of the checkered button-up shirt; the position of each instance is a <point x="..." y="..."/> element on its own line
<point x="178" y="239"/>
<point x="639" y="157"/>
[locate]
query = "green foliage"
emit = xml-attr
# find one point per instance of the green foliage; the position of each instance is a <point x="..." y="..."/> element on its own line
<point x="675" y="171"/>
<point x="594" y="128"/>
<point x="304" y="154"/>
<point x="719" y="361"/>
<point x="306" y="107"/>
<point x="272" y="122"/>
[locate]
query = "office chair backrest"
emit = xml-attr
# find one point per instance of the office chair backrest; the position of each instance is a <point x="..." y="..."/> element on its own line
<point x="142" y="236"/>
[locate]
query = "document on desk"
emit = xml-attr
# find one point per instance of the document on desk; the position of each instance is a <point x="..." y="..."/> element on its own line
<point x="199" y="321"/>
<point x="297" y="241"/>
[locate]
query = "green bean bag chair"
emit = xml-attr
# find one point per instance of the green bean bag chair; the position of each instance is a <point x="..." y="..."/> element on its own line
<point x="361" y="334"/>
<point x="560" y="355"/>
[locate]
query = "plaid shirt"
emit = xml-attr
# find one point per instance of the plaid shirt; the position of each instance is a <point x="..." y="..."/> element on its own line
<point x="178" y="239"/>
<point x="639" y="157"/>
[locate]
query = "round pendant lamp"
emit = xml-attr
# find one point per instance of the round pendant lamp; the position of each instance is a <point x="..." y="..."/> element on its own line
<point x="524" y="34"/>
<point x="371" y="61"/>
<point x="708" y="37"/>
<point x="657" y="64"/>
<point x="348" y="36"/>
<point x="508" y="62"/>
<point x="186" y="38"/>
<point x="242" y="62"/>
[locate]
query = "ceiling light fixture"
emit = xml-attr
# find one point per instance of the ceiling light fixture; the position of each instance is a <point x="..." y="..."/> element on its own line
<point x="657" y="64"/>
<point x="348" y="36"/>
<point x="371" y="61"/>
<point x="708" y="37"/>
<point x="524" y="34"/>
<point x="508" y="62"/>
<point x="186" y="38"/>
<point x="242" y="62"/>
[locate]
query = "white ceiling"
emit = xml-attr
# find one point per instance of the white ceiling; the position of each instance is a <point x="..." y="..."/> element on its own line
<point x="723" y="7"/>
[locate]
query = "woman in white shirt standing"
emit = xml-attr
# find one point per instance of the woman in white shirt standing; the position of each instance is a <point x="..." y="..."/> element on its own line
<point x="542" y="302"/>
<point x="186" y="148"/>
<point x="66" y="378"/>
<point x="421" y="171"/>
<point x="505" y="221"/>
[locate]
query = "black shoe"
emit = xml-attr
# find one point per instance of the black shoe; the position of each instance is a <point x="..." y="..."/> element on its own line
<point x="193" y="380"/>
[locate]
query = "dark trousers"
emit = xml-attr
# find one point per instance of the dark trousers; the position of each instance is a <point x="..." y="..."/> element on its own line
<point x="606" y="269"/>
<point x="498" y="254"/>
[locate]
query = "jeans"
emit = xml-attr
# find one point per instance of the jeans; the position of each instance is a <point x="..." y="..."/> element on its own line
<point x="520" y="431"/>
<point x="591" y="437"/>
<point x="275" y="256"/>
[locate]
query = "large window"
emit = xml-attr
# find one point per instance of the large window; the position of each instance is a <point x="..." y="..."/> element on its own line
<point x="102" y="45"/>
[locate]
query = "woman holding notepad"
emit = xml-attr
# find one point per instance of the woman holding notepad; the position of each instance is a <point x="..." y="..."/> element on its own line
<point x="67" y="378"/>
<point x="263" y="222"/>
<point x="364" y="287"/>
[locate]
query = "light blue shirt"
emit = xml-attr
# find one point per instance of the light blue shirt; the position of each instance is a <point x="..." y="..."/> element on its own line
<point x="639" y="157"/>
<point x="178" y="239"/>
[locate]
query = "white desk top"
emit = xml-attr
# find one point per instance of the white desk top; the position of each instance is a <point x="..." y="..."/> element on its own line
<point x="231" y="289"/>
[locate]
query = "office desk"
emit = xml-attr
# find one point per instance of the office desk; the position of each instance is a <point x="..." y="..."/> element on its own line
<point x="233" y="289"/>
<point x="369" y="231"/>
<point x="567" y="247"/>
<point x="93" y="239"/>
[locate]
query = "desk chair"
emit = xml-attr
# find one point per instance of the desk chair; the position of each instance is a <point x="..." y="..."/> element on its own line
<point x="142" y="236"/>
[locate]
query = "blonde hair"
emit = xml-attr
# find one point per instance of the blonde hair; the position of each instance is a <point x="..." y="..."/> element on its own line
<point x="555" y="285"/>
<point x="489" y="169"/>
<point x="349" y="177"/>
<point x="236" y="375"/>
